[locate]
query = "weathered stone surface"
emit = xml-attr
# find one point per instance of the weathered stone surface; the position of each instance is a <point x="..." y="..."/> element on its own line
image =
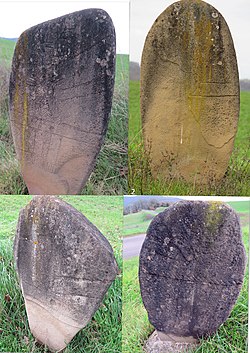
<point x="171" y="344"/>
<point x="189" y="93"/>
<point x="65" y="266"/>
<point x="61" y="91"/>
<point x="192" y="267"/>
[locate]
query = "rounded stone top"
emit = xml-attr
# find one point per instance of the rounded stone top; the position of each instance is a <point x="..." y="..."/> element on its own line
<point x="189" y="93"/>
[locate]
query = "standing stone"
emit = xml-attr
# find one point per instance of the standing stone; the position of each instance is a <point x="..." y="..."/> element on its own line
<point x="191" y="269"/>
<point x="189" y="93"/>
<point x="65" y="266"/>
<point x="61" y="90"/>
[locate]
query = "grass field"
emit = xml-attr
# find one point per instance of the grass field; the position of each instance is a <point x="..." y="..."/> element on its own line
<point x="103" y="333"/>
<point x="240" y="206"/>
<point x="137" y="223"/>
<point x="235" y="182"/>
<point x="231" y="337"/>
<point x="110" y="173"/>
<point x="6" y="50"/>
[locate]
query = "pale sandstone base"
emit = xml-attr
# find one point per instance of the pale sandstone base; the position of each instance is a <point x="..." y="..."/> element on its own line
<point x="47" y="328"/>
<point x="159" y="342"/>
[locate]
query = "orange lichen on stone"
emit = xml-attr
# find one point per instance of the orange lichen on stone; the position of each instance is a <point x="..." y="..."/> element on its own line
<point x="24" y="125"/>
<point x="202" y="62"/>
<point x="25" y="104"/>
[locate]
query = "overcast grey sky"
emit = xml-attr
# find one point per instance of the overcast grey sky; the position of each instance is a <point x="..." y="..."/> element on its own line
<point x="235" y="12"/>
<point x="17" y="16"/>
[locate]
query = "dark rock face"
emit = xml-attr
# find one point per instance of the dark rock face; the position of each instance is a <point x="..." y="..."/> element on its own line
<point x="65" y="266"/>
<point x="61" y="90"/>
<point x="192" y="267"/>
<point x="189" y="93"/>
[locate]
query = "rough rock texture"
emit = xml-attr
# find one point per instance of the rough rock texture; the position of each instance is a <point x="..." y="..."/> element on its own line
<point x="61" y="89"/>
<point x="171" y="345"/>
<point x="65" y="266"/>
<point x="189" y="93"/>
<point x="192" y="267"/>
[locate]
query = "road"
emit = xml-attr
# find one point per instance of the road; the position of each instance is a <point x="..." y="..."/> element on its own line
<point x="132" y="245"/>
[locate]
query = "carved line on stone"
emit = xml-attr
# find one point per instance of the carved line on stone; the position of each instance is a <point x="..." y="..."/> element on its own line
<point x="195" y="281"/>
<point x="77" y="85"/>
<point x="174" y="63"/>
<point x="56" y="125"/>
<point x="97" y="43"/>
<point x="83" y="279"/>
<point x="209" y="144"/>
<point x="207" y="96"/>
<point x="56" y="292"/>
<point x="215" y="82"/>
<point x="74" y="97"/>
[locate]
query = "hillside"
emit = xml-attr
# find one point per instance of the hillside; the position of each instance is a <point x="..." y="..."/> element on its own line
<point x="7" y="47"/>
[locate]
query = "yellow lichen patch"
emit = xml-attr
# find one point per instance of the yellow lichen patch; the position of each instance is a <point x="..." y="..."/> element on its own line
<point x="35" y="218"/>
<point x="202" y="65"/>
<point x="24" y="125"/>
<point x="16" y="103"/>
<point x="25" y="103"/>
<point x="213" y="216"/>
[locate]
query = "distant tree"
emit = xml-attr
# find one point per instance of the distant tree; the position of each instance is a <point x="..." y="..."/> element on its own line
<point x="134" y="71"/>
<point x="245" y="85"/>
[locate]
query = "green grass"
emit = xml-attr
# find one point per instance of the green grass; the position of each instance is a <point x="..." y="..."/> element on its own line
<point x="103" y="333"/>
<point x="235" y="181"/>
<point x="240" y="206"/>
<point x="135" y="127"/>
<point x="109" y="176"/>
<point x="6" y="50"/>
<point x="231" y="337"/>
<point x="135" y="325"/>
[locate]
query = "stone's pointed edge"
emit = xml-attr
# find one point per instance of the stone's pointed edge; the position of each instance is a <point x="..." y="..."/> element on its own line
<point x="60" y="298"/>
<point x="170" y="344"/>
<point x="61" y="88"/>
<point x="56" y="334"/>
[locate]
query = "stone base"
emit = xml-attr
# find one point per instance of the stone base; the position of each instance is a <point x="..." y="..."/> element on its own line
<point x="163" y="343"/>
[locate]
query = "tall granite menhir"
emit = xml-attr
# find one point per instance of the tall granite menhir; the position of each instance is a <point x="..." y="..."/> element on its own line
<point x="192" y="266"/>
<point x="189" y="93"/>
<point x="65" y="266"/>
<point x="61" y="90"/>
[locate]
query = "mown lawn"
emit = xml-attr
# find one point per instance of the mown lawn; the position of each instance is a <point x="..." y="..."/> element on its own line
<point x="103" y="333"/>
<point x="231" y="337"/>
<point x="109" y="176"/>
<point x="235" y="181"/>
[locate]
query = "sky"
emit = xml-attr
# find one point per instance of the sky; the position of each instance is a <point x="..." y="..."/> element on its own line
<point x="17" y="16"/>
<point x="235" y="12"/>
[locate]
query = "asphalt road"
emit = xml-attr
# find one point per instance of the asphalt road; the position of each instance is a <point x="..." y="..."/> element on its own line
<point x="132" y="245"/>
